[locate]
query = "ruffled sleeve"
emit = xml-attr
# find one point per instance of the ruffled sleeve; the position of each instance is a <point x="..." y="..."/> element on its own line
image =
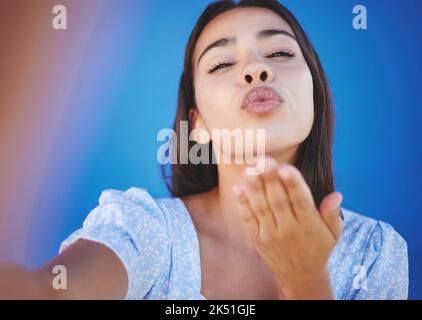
<point x="132" y="225"/>
<point x="383" y="273"/>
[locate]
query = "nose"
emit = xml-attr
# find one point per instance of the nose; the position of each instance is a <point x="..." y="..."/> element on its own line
<point x="255" y="73"/>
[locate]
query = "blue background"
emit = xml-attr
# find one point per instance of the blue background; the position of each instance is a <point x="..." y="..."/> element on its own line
<point x="135" y="61"/>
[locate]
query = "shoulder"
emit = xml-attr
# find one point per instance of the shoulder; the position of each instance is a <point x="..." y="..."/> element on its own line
<point x="371" y="253"/>
<point x="135" y="208"/>
<point x="145" y="217"/>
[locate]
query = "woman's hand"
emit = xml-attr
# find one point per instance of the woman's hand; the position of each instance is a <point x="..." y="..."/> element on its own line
<point x="291" y="236"/>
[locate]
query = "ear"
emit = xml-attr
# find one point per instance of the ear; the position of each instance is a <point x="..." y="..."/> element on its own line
<point x="199" y="130"/>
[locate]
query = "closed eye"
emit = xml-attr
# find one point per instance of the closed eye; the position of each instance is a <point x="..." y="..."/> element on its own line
<point x="280" y="53"/>
<point x="220" y="66"/>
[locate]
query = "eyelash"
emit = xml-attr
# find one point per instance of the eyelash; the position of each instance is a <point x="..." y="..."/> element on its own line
<point x="283" y="52"/>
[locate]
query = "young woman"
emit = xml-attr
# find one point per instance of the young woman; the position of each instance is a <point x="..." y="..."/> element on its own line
<point x="226" y="234"/>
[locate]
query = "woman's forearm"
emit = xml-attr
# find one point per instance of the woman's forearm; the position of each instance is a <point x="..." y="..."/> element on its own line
<point x="19" y="283"/>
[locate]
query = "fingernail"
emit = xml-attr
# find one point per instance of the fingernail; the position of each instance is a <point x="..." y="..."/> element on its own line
<point x="340" y="200"/>
<point x="261" y="158"/>
<point x="250" y="171"/>
<point x="284" y="173"/>
<point x="251" y="174"/>
<point x="272" y="164"/>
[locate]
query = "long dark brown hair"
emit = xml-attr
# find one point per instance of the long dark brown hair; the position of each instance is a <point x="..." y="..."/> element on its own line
<point x="314" y="155"/>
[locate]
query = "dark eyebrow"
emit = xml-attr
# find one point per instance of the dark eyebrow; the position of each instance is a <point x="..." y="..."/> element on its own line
<point x="272" y="32"/>
<point x="264" y="34"/>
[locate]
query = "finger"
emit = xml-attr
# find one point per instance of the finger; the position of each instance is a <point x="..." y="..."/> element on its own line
<point x="277" y="197"/>
<point x="300" y="195"/>
<point x="257" y="199"/>
<point x="330" y="212"/>
<point x="246" y="213"/>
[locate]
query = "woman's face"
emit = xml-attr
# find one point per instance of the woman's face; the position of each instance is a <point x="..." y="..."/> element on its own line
<point x="219" y="94"/>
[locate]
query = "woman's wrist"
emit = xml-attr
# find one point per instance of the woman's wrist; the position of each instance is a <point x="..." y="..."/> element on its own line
<point x="317" y="287"/>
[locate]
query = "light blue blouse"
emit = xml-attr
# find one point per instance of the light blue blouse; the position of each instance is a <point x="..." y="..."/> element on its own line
<point x="158" y="245"/>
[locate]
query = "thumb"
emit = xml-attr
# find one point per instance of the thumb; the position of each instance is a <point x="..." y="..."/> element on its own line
<point x="331" y="213"/>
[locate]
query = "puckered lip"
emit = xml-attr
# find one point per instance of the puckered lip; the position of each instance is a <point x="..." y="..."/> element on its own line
<point x="259" y="94"/>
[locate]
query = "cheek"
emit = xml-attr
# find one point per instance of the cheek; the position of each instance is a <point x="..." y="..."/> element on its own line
<point x="298" y="84"/>
<point x="213" y="93"/>
<point x="213" y="98"/>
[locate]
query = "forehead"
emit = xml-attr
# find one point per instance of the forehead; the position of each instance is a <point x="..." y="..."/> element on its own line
<point x="239" y="22"/>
